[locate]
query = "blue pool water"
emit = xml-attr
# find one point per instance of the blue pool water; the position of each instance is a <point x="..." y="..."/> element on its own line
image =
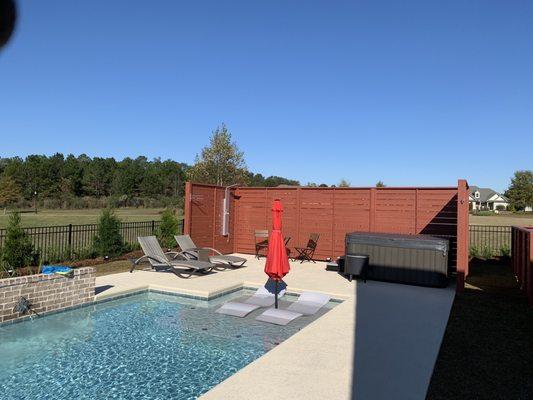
<point x="146" y="346"/>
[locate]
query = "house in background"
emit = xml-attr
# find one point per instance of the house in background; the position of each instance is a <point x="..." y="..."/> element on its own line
<point x="481" y="199"/>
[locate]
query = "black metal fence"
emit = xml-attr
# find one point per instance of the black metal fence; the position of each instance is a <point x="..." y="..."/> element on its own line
<point x="487" y="241"/>
<point x="68" y="242"/>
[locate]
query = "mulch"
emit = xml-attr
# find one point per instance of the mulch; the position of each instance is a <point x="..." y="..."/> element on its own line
<point x="487" y="351"/>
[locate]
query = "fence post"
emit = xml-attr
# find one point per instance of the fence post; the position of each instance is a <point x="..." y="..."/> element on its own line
<point x="462" y="234"/>
<point x="70" y="240"/>
<point x="187" y="217"/>
<point x="153" y="227"/>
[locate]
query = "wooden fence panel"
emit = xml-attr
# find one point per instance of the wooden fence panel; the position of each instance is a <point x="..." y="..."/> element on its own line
<point x="522" y="259"/>
<point x="352" y="213"/>
<point x="332" y="212"/>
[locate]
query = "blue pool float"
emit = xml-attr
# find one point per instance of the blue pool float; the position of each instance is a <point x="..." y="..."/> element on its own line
<point x="57" y="269"/>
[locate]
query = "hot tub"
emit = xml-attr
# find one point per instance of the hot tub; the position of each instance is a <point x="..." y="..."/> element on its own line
<point x="410" y="259"/>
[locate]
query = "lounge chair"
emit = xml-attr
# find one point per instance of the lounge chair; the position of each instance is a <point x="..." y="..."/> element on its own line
<point x="170" y="261"/>
<point x="190" y="250"/>
<point x="306" y="253"/>
<point x="307" y="304"/>
<point x="261" y="298"/>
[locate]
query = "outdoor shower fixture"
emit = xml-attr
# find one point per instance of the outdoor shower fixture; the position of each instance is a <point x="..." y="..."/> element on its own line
<point x="225" y="210"/>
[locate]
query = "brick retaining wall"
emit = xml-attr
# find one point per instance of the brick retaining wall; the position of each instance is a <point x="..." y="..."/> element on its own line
<point x="46" y="293"/>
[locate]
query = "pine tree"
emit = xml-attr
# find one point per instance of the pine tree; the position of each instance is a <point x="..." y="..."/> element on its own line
<point x="18" y="250"/>
<point x="108" y="241"/>
<point x="168" y="228"/>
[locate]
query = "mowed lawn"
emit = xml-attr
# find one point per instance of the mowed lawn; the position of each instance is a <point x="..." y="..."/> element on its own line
<point x="85" y="216"/>
<point x="507" y="220"/>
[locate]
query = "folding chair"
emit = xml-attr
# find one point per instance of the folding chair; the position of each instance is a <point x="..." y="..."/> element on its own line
<point x="306" y="253"/>
<point x="261" y="241"/>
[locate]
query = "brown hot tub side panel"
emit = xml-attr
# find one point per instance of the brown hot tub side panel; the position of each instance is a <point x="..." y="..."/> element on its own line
<point x="410" y="259"/>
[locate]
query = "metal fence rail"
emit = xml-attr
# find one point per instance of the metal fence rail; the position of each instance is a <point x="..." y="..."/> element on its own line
<point x="67" y="242"/>
<point x="487" y="240"/>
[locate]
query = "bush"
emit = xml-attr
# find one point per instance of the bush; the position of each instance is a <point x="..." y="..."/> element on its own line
<point x="487" y="252"/>
<point x="108" y="241"/>
<point x="474" y="252"/>
<point x="483" y="252"/>
<point x="55" y="254"/>
<point x="168" y="228"/>
<point x="505" y="251"/>
<point x="18" y="250"/>
<point x="483" y="213"/>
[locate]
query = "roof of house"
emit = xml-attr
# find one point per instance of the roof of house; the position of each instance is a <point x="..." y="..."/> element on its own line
<point x="484" y="193"/>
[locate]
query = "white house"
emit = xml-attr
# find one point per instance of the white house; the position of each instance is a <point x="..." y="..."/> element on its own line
<point x="487" y="199"/>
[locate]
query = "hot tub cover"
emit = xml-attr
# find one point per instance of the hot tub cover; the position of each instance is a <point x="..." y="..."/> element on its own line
<point x="425" y="242"/>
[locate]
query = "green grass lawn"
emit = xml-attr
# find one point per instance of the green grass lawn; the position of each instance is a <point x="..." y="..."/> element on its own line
<point x="85" y="216"/>
<point x="502" y="219"/>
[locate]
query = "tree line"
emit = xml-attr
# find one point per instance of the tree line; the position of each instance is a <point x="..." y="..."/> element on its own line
<point x="71" y="181"/>
<point x="75" y="182"/>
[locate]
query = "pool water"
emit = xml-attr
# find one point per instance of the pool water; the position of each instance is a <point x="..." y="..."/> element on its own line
<point x="146" y="346"/>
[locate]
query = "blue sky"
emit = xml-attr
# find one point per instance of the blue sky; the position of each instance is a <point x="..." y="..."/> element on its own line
<point x="411" y="93"/>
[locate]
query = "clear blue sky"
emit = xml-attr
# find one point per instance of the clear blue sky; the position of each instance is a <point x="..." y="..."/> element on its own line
<point x="412" y="93"/>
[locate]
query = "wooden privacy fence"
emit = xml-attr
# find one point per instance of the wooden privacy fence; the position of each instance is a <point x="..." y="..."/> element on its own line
<point x="522" y="259"/>
<point x="330" y="212"/>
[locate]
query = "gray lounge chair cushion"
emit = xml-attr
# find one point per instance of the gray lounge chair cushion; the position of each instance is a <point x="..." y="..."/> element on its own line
<point x="233" y="260"/>
<point x="197" y="265"/>
<point x="187" y="245"/>
<point x="159" y="260"/>
<point x="277" y="316"/>
<point x="309" y="303"/>
<point x="237" y="309"/>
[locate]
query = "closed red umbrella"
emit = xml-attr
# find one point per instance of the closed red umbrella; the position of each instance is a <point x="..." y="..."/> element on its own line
<point x="277" y="262"/>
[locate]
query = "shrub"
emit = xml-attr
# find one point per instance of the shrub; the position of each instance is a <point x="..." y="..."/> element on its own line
<point x="55" y="254"/>
<point x="84" y="254"/>
<point x="108" y="241"/>
<point x="484" y="213"/>
<point x="18" y="250"/>
<point x="474" y="252"/>
<point x="486" y="252"/>
<point x="168" y="228"/>
<point x="505" y="251"/>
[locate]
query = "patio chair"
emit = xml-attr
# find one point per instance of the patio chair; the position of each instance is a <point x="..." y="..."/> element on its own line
<point x="171" y="261"/>
<point x="306" y="253"/>
<point x="190" y="250"/>
<point x="263" y="297"/>
<point x="309" y="303"/>
<point x="261" y="241"/>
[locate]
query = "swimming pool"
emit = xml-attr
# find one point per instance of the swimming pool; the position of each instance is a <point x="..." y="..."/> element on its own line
<point x="145" y="346"/>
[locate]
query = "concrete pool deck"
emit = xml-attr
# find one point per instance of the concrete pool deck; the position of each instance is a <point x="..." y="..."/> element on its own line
<point x="381" y="342"/>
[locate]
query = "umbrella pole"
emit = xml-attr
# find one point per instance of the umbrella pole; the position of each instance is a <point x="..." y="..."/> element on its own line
<point x="276" y="296"/>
